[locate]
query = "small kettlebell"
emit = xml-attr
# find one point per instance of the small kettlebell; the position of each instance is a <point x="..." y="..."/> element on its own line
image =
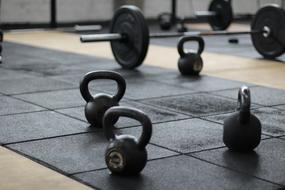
<point x="125" y="155"/>
<point x="97" y="105"/>
<point x="242" y="130"/>
<point x="190" y="63"/>
<point x="164" y="21"/>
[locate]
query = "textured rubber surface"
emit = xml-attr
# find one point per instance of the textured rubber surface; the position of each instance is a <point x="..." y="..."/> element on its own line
<point x="44" y="121"/>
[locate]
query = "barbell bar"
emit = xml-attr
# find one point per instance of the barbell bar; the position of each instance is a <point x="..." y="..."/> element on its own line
<point x="129" y="34"/>
<point x="120" y="37"/>
<point x="216" y="33"/>
<point x="205" y="13"/>
<point x="101" y="37"/>
<point x="87" y="28"/>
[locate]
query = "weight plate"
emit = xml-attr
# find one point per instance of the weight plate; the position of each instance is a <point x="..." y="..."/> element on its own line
<point x="129" y="21"/>
<point x="1" y="36"/>
<point x="282" y="33"/>
<point x="164" y="21"/>
<point x="269" y="17"/>
<point x="224" y="16"/>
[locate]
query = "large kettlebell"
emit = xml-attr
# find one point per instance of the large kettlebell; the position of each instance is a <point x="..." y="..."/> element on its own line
<point x="97" y="105"/>
<point x="242" y="130"/>
<point x="190" y="63"/>
<point x="125" y="155"/>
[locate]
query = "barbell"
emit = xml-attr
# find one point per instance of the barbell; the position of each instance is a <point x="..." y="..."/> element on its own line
<point x="129" y="34"/>
<point x="219" y="15"/>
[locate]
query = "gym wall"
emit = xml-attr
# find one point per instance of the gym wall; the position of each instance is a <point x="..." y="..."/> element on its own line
<point x="38" y="11"/>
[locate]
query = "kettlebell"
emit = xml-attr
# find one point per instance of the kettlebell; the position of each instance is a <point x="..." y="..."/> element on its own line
<point x="126" y="155"/>
<point x="242" y="130"/>
<point x="164" y="21"/>
<point x="97" y="105"/>
<point x="190" y="63"/>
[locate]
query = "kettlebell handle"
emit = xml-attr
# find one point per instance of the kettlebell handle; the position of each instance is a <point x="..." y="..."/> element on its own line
<point x="133" y="113"/>
<point x="182" y="40"/>
<point x="244" y="102"/>
<point x="94" y="75"/>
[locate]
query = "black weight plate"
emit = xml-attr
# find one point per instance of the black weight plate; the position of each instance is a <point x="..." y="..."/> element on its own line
<point x="282" y="33"/>
<point x="1" y="36"/>
<point x="129" y="21"/>
<point x="224" y="16"/>
<point x="273" y="17"/>
<point x="164" y="21"/>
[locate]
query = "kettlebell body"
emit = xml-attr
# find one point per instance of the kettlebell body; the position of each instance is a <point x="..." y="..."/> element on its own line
<point x="97" y="105"/>
<point x="164" y="21"/>
<point x="123" y="156"/>
<point x="126" y="155"/>
<point x="242" y="130"/>
<point x="190" y="63"/>
<point x="96" y="108"/>
<point x="242" y="137"/>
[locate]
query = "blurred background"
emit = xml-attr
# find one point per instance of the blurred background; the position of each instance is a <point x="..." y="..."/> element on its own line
<point x="41" y="13"/>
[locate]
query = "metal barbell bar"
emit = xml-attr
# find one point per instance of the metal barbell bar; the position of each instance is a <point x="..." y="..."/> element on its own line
<point x="101" y="37"/>
<point x="87" y="28"/>
<point x="116" y="36"/>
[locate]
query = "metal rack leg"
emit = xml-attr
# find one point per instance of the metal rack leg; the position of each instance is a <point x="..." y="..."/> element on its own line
<point x="173" y="12"/>
<point x="53" y="23"/>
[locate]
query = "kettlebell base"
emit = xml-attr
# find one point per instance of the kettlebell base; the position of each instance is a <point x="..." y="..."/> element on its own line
<point x="95" y="110"/>
<point x="190" y="65"/>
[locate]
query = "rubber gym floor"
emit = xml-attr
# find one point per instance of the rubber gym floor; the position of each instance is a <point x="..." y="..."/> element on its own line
<point x="48" y="144"/>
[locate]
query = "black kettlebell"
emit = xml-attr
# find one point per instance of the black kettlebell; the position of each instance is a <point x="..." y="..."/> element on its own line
<point x="242" y="130"/>
<point x="97" y="105"/>
<point x="164" y="21"/>
<point x="125" y="155"/>
<point x="190" y="63"/>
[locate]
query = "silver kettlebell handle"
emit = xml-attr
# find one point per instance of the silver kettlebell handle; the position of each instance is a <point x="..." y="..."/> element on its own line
<point x="244" y="104"/>
<point x="244" y="99"/>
